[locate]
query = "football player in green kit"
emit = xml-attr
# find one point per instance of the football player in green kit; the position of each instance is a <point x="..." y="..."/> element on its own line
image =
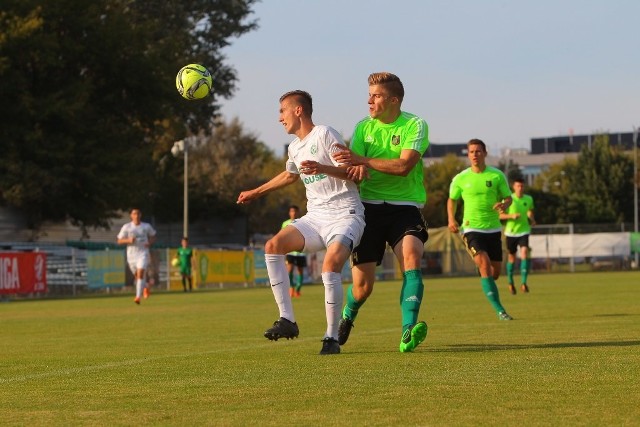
<point x="486" y="194"/>
<point x="519" y="219"/>
<point x="185" y="254"/>
<point x="386" y="158"/>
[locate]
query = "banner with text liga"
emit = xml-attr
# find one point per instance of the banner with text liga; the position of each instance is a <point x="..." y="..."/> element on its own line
<point x="23" y="272"/>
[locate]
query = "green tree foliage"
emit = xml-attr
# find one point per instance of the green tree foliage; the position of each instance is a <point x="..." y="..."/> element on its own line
<point x="89" y="99"/>
<point x="437" y="178"/>
<point x="511" y="170"/>
<point x="223" y="162"/>
<point x="595" y="188"/>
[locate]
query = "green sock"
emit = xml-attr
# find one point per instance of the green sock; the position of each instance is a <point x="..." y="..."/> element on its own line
<point x="524" y="270"/>
<point x="291" y="278"/>
<point x="350" y="310"/>
<point x="411" y="297"/>
<point x="299" y="282"/>
<point x="491" y="291"/>
<point x="510" y="272"/>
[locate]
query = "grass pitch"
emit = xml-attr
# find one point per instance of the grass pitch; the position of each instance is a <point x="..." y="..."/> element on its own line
<point x="570" y="357"/>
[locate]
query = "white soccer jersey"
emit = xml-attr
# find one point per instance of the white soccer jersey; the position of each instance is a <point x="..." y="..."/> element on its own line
<point x="142" y="232"/>
<point x="325" y="194"/>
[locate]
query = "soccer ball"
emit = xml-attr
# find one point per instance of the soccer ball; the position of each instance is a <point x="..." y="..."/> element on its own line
<point x="194" y="81"/>
<point x="175" y="262"/>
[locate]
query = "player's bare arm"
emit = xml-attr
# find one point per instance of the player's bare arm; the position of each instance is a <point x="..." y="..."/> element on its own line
<point x="357" y="174"/>
<point x="281" y="180"/>
<point x="311" y="167"/>
<point x="400" y="166"/>
<point x="127" y="240"/>
<point x="503" y="205"/>
<point x="452" y="206"/>
<point x="509" y="216"/>
<point x="532" y="219"/>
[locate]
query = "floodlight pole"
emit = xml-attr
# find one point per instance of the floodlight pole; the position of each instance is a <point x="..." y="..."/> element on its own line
<point x="182" y="146"/>
<point x="635" y="186"/>
<point x="185" y="193"/>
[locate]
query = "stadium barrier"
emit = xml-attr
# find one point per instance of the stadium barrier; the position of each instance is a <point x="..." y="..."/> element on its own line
<point x="73" y="270"/>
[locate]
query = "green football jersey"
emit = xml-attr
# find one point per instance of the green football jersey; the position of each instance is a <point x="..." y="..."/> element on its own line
<point x="521" y="226"/>
<point x="480" y="191"/>
<point x="184" y="255"/>
<point x="374" y="139"/>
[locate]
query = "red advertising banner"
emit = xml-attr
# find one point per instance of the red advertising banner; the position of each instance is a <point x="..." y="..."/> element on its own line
<point x="23" y="272"/>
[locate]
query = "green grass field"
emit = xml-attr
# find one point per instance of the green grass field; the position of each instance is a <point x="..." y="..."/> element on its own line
<point x="570" y="357"/>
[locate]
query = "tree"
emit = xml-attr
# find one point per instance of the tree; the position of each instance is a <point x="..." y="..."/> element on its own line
<point x="222" y="163"/>
<point x="511" y="170"/>
<point x="595" y="188"/>
<point x="93" y="100"/>
<point x="603" y="183"/>
<point x="437" y="178"/>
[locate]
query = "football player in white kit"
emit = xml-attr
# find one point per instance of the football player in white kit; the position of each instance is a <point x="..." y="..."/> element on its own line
<point x="334" y="219"/>
<point x="138" y="236"/>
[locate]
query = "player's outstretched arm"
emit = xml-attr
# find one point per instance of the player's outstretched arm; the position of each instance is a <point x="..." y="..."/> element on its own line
<point x="283" y="179"/>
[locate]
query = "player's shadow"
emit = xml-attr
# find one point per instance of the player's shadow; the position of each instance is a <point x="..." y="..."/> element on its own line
<point x="501" y="347"/>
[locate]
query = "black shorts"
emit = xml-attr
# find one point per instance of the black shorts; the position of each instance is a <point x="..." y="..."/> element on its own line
<point x="491" y="243"/>
<point x="514" y="242"/>
<point x="297" y="260"/>
<point x="387" y="224"/>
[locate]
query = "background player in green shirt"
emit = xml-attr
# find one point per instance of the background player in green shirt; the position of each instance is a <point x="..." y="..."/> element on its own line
<point x="485" y="193"/>
<point x="519" y="219"/>
<point x="185" y="254"/>
<point x="386" y="158"/>
<point x="295" y="258"/>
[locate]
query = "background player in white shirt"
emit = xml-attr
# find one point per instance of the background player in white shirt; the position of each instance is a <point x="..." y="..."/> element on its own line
<point x="334" y="219"/>
<point x="138" y="236"/>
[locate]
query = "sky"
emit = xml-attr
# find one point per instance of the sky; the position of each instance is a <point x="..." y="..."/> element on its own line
<point x="504" y="71"/>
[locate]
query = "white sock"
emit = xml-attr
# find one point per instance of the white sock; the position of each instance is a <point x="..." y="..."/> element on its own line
<point x="139" y="287"/>
<point x="279" y="280"/>
<point x="333" y="299"/>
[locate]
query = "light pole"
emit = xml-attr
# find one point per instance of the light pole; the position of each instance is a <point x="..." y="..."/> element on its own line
<point x="635" y="186"/>
<point x="182" y="146"/>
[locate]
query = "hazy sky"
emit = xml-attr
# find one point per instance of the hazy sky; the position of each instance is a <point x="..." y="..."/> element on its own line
<point x="500" y="70"/>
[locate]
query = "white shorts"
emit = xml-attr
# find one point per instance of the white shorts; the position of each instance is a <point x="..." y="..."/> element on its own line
<point x="320" y="230"/>
<point x="140" y="262"/>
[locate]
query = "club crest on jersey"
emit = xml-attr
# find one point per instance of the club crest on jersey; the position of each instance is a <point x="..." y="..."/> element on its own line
<point x="314" y="149"/>
<point x="395" y="139"/>
<point x="489" y="184"/>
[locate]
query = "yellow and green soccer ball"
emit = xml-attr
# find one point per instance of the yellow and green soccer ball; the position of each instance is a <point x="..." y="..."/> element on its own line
<point x="194" y="82"/>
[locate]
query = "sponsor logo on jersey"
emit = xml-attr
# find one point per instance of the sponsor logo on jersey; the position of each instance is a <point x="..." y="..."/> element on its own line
<point x="314" y="178"/>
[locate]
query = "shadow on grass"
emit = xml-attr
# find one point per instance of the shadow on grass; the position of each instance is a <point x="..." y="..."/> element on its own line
<point x="614" y="315"/>
<point x="499" y="347"/>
